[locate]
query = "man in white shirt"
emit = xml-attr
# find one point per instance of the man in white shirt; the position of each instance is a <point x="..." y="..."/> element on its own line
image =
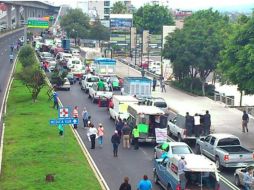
<point x="181" y="172"/>
<point x="197" y="125"/>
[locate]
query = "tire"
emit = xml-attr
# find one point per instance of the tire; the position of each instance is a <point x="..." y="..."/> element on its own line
<point x="86" y="91"/>
<point x="155" y="177"/>
<point x="197" y="149"/>
<point x="179" y="138"/>
<point x="218" y="164"/>
<point x="169" y="132"/>
<point x="68" y="89"/>
<point x="93" y="100"/>
<point x="237" y="181"/>
<point x="89" y="96"/>
<point x="169" y="187"/>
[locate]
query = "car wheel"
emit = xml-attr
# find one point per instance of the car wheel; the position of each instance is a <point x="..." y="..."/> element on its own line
<point x="217" y="163"/>
<point x="86" y="90"/>
<point x="197" y="148"/>
<point x="237" y="180"/>
<point x="169" y="187"/>
<point x="155" y="177"/>
<point x="68" y="89"/>
<point x="169" y="132"/>
<point x="93" y="100"/>
<point x="89" y="96"/>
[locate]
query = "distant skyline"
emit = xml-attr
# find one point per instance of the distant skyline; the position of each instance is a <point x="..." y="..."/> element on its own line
<point x="222" y="5"/>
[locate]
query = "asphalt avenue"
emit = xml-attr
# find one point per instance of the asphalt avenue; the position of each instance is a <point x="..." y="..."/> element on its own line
<point x="131" y="163"/>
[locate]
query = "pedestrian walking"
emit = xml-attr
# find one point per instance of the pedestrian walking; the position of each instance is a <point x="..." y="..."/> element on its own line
<point x="75" y="115"/>
<point x="245" y="121"/>
<point x="197" y="125"/>
<point x="181" y="172"/>
<point x="207" y="123"/>
<point x="126" y="132"/>
<point x="115" y="140"/>
<point x="119" y="126"/>
<point x="163" y="85"/>
<point x="135" y="134"/>
<point x="144" y="184"/>
<point x="189" y="124"/>
<point x="12" y="48"/>
<point x="100" y="134"/>
<point x="154" y="83"/>
<point x="85" y="116"/>
<point x="61" y="129"/>
<point x="92" y="133"/>
<point x="248" y="179"/>
<point x="125" y="185"/>
<point x="56" y="101"/>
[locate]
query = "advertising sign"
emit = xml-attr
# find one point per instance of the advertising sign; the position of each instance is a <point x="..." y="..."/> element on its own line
<point x="161" y="135"/>
<point x="120" y="23"/>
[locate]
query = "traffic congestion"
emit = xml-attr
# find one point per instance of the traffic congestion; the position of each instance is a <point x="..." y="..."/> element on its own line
<point x="139" y="119"/>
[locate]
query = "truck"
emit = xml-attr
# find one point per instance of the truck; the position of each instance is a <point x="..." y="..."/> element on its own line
<point x="105" y="66"/>
<point x="225" y="150"/>
<point x="147" y="119"/>
<point x="200" y="173"/>
<point x="66" y="44"/>
<point x="177" y="127"/>
<point x="120" y="105"/>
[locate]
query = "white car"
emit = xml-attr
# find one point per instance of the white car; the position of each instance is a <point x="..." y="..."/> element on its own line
<point x="66" y="85"/>
<point x="63" y="56"/>
<point x="96" y="94"/>
<point x="88" y="82"/>
<point x="52" y="63"/>
<point x="45" y="55"/>
<point x="74" y="62"/>
<point x="75" y="52"/>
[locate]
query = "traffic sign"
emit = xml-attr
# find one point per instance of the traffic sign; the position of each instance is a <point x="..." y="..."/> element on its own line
<point x="64" y="112"/>
<point x="37" y="23"/>
<point x="64" y="121"/>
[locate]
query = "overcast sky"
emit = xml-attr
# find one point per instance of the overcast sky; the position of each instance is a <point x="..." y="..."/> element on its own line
<point x="185" y="4"/>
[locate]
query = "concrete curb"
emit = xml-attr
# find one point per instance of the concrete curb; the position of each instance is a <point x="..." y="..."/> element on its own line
<point x="10" y="32"/>
<point x="2" y="147"/>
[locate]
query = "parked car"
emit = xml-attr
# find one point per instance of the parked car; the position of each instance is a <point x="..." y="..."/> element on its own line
<point x="95" y="93"/>
<point x="173" y="148"/>
<point x="45" y="55"/>
<point x="65" y="86"/>
<point x="238" y="176"/>
<point x="200" y="172"/>
<point x="157" y="102"/>
<point x="225" y="150"/>
<point x="71" y="78"/>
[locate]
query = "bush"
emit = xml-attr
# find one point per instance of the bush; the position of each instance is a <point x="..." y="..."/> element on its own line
<point x="27" y="56"/>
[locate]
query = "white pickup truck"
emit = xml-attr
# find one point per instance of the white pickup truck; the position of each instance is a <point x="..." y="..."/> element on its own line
<point x="96" y="94"/>
<point x="225" y="150"/>
<point x="88" y="81"/>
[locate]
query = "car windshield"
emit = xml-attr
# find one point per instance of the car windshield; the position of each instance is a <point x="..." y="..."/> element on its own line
<point x="93" y="79"/>
<point x="160" y="104"/>
<point x="181" y="150"/>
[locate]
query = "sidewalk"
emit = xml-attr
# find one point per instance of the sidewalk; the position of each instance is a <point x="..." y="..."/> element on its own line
<point x="224" y="120"/>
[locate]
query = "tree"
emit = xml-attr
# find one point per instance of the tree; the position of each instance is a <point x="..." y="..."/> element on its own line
<point x="119" y="8"/>
<point x="152" y="18"/>
<point x="33" y="79"/>
<point x="99" y="32"/>
<point x="76" y="24"/>
<point x="237" y="59"/>
<point x="196" y="48"/>
<point x="27" y="56"/>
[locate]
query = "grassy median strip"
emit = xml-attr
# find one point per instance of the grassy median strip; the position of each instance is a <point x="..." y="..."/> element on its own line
<point x="33" y="149"/>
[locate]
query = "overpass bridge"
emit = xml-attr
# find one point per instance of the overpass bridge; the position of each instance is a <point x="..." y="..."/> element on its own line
<point x="29" y="9"/>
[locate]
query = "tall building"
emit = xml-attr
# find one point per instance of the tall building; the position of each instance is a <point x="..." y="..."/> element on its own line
<point x="95" y="8"/>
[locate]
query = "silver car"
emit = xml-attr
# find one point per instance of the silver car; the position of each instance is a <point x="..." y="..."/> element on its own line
<point x="239" y="176"/>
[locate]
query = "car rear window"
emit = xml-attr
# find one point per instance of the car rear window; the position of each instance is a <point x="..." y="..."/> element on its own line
<point x="93" y="79"/>
<point x="228" y="141"/>
<point x="160" y="104"/>
<point x="181" y="150"/>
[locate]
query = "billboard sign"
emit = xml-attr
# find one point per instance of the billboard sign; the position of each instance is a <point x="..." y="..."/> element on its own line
<point x="120" y="23"/>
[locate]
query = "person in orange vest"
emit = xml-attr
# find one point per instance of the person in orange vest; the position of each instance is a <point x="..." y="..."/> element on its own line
<point x="75" y="115"/>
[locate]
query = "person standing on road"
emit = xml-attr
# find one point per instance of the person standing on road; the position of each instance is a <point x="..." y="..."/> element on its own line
<point x="56" y="101"/>
<point x="197" y="125"/>
<point x="181" y="172"/>
<point x="248" y="180"/>
<point x="154" y="83"/>
<point x="119" y="126"/>
<point x="245" y="121"/>
<point x="144" y="184"/>
<point x="100" y="134"/>
<point x="189" y="124"/>
<point x="115" y="140"/>
<point x="75" y="115"/>
<point x="207" y="123"/>
<point x="125" y="185"/>
<point x="92" y="132"/>
<point x="135" y="134"/>
<point x="85" y="116"/>
<point x="163" y="85"/>
<point x="126" y="131"/>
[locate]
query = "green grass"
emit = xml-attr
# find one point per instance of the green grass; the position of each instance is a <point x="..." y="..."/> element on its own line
<point x="33" y="149"/>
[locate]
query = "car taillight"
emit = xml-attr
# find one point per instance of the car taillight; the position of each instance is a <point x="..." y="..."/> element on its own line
<point x="226" y="157"/>
<point x="178" y="187"/>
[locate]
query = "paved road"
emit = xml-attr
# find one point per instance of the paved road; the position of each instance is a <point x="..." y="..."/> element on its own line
<point x="5" y="66"/>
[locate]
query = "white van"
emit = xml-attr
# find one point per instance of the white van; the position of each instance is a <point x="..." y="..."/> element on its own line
<point x="120" y="105"/>
<point x="200" y="173"/>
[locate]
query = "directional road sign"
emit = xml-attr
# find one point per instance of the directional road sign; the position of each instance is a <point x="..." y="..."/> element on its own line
<point x="37" y="23"/>
<point x="64" y="121"/>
